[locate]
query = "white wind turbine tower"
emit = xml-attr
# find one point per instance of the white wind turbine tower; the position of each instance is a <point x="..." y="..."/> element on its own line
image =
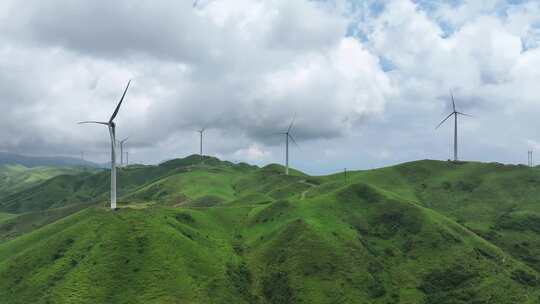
<point x="455" y="113"/>
<point x="112" y="131"/>
<point x="122" y="142"/>
<point x="287" y="136"/>
<point x="201" y="133"/>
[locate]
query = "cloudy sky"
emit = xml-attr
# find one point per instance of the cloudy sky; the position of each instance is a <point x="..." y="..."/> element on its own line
<point x="369" y="80"/>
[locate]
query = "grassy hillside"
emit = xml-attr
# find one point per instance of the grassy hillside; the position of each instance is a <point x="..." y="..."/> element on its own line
<point x="41" y="161"/>
<point x="14" y="225"/>
<point x="184" y="181"/>
<point x="5" y="216"/>
<point x="499" y="202"/>
<point x="216" y="232"/>
<point x="15" y="178"/>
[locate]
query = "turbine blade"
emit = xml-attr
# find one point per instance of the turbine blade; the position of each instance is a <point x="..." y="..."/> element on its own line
<point x="120" y="103"/>
<point x="464" y="114"/>
<point x="124" y="140"/>
<point x="294" y="141"/>
<point x="453" y="102"/>
<point x="292" y="123"/>
<point x="93" y="122"/>
<point x="444" y="120"/>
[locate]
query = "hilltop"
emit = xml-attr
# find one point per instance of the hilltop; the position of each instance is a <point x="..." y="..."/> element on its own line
<point x="209" y="231"/>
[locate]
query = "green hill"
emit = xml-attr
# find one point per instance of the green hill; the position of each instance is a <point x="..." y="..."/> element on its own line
<point x="43" y="161"/>
<point x="15" y="178"/>
<point x="216" y="232"/>
<point x="499" y="202"/>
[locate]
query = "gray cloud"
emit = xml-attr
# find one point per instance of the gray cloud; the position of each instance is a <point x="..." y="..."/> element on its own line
<point x="244" y="67"/>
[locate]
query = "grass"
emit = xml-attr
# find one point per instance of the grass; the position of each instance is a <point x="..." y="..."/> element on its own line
<point x="216" y="232"/>
<point x="13" y="225"/>
<point x="15" y="178"/>
<point x="5" y="216"/>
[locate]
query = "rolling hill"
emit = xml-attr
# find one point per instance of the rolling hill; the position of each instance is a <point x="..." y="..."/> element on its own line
<point x="16" y="178"/>
<point x="216" y="232"/>
<point x="42" y="161"/>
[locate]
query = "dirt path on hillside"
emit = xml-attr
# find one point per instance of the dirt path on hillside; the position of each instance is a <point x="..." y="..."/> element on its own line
<point x="304" y="193"/>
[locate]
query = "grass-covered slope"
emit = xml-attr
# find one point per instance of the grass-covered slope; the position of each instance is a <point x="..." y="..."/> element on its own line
<point x="185" y="181"/>
<point x="41" y="161"/>
<point x="15" y="178"/>
<point x="355" y="245"/>
<point x="14" y="225"/>
<point x="215" y="232"/>
<point x="499" y="202"/>
<point x="90" y="187"/>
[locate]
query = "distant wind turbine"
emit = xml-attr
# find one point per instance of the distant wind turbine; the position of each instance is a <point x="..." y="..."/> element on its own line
<point x="122" y="142"/>
<point x="455" y="113"/>
<point x="287" y="137"/>
<point x="112" y="131"/>
<point x="82" y="161"/>
<point x="201" y="132"/>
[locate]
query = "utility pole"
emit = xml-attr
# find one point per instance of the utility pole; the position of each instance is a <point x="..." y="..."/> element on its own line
<point x="345" y="174"/>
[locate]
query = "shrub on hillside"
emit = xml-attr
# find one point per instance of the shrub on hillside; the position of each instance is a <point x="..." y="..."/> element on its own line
<point x="276" y="289"/>
<point x="360" y="192"/>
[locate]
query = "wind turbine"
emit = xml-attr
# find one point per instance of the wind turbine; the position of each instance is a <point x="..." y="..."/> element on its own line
<point x="287" y="136"/>
<point x="112" y="131"/>
<point x="201" y="132"/>
<point x="455" y="113"/>
<point x="122" y="151"/>
<point x="82" y="161"/>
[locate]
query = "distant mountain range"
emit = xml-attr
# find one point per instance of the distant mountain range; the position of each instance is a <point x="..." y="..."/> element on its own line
<point x="38" y="161"/>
